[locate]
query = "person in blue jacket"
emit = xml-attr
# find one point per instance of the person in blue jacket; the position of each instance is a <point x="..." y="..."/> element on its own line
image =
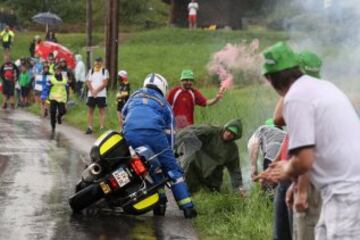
<point x="45" y="82"/>
<point x="148" y="120"/>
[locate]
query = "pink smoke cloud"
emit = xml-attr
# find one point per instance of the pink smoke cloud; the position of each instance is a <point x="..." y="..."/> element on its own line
<point x="236" y="58"/>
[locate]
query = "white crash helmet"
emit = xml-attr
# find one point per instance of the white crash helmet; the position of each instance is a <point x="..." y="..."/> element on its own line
<point x="154" y="79"/>
<point x="123" y="74"/>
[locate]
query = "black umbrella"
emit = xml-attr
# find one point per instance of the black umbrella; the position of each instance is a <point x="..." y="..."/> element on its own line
<point x="47" y="18"/>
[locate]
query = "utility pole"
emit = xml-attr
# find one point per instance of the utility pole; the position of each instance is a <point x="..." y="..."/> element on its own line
<point x="108" y="26"/>
<point x="115" y="42"/>
<point x="88" y="33"/>
<point x="111" y="39"/>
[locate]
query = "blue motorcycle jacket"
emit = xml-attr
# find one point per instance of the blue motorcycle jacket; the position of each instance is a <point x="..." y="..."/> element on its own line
<point x="147" y="109"/>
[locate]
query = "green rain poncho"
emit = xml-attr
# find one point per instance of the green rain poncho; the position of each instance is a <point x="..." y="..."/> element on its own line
<point x="204" y="154"/>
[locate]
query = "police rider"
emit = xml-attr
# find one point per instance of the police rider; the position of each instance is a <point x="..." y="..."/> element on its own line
<point x="148" y="120"/>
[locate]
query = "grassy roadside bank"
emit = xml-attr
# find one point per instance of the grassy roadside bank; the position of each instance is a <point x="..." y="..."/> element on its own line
<point x="228" y="216"/>
<point x="166" y="51"/>
<point x="169" y="51"/>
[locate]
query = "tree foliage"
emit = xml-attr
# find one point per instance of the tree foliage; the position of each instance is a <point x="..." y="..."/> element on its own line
<point x="70" y="10"/>
<point x="138" y="12"/>
<point x="143" y="11"/>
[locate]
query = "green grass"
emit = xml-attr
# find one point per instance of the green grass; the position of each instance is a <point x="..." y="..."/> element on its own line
<point x="227" y="216"/>
<point x="168" y="51"/>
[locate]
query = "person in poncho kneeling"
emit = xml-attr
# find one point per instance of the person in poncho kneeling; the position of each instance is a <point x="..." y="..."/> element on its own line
<point x="205" y="150"/>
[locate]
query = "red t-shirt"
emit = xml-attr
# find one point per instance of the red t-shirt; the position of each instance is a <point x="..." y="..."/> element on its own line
<point x="183" y="104"/>
<point x="284" y="155"/>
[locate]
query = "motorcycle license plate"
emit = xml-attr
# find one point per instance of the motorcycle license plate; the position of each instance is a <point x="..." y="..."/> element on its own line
<point x="121" y="177"/>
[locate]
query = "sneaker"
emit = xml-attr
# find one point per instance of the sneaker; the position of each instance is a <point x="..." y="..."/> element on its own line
<point x="190" y="212"/>
<point x="4" y="106"/>
<point x="12" y="106"/>
<point x="89" y="131"/>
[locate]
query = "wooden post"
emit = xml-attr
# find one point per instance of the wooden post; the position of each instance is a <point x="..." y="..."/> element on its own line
<point x="108" y="27"/>
<point x="114" y="42"/>
<point x="88" y="33"/>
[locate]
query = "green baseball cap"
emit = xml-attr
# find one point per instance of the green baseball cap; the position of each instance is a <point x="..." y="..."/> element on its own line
<point x="270" y="122"/>
<point x="279" y="57"/>
<point x="310" y="63"/>
<point x="187" y="74"/>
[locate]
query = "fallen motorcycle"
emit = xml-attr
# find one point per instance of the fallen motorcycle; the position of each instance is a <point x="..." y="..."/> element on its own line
<point x="119" y="176"/>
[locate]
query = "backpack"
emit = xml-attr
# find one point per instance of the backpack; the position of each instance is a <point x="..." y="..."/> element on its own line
<point x="102" y="71"/>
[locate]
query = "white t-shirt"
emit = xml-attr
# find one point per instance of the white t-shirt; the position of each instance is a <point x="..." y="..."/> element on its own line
<point x="318" y="114"/>
<point x="193" y="7"/>
<point x="96" y="80"/>
<point x="38" y="82"/>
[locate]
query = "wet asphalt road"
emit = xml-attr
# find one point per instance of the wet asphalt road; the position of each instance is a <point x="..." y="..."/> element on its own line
<point x="38" y="171"/>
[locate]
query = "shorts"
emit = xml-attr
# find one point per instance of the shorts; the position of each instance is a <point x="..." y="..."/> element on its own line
<point x="6" y="45"/>
<point x="192" y="18"/>
<point x="25" y="91"/>
<point x="37" y="93"/>
<point x="8" y="88"/>
<point x="339" y="216"/>
<point x="120" y="105"/>
<point x="100" y="102"/>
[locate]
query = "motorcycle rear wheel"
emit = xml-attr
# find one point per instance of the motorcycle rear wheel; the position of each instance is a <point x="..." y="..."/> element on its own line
<point x="86" y="197"/>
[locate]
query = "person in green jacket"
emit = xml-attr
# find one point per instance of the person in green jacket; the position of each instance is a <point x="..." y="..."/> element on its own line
<point x="57" y="97"/>
<point x="25" y="84"/>
<point x="205" y="150"/>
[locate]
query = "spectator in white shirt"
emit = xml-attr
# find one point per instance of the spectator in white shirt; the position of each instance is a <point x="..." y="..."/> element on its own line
<point x="324" y="136"/>
<point x="193" y="7"/>
<point x="96" y="82"/>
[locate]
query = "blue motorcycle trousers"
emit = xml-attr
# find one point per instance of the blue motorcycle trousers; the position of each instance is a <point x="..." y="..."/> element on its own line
<point x="158" y="142"/>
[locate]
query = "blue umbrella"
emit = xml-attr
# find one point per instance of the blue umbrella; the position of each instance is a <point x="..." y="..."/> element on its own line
<point x="47" y="18"/>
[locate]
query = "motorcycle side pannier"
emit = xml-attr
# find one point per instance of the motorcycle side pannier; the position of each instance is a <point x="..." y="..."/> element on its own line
<point x="110" y="148"/>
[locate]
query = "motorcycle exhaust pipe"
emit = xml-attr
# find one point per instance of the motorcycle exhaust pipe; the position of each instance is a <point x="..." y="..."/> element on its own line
<point x="96" y="169"/>
<point x="91" y="172"/>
